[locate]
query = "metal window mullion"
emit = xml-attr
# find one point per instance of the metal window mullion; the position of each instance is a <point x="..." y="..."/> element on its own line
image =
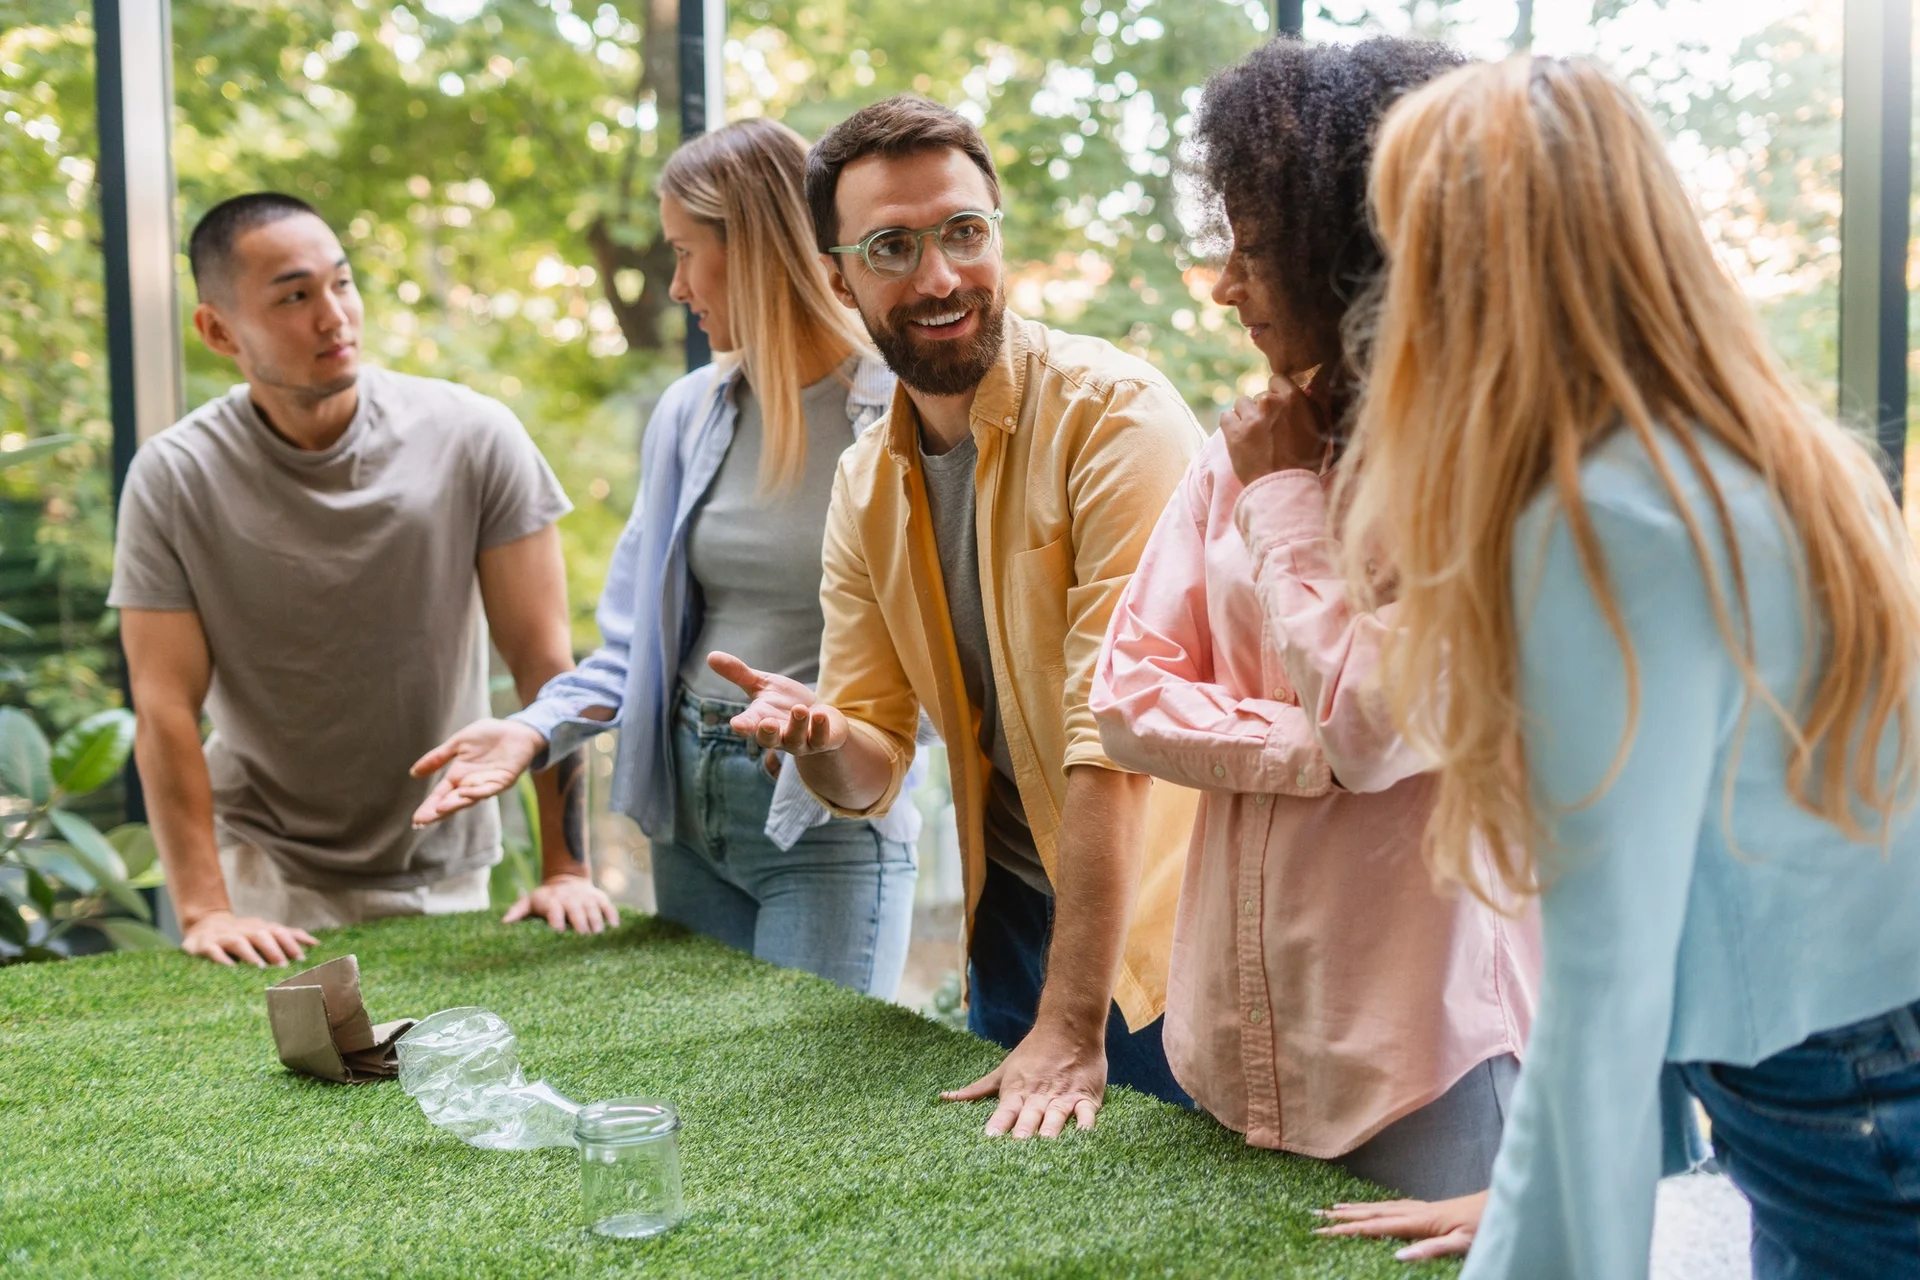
<point x="133" y="93"/>
<point x="703" y="104"/>
<point x="1876" y="188"/>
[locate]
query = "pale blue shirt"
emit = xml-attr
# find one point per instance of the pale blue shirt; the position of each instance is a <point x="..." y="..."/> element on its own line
<point x="646" y="623"/>
<point x="1673" y="933"/>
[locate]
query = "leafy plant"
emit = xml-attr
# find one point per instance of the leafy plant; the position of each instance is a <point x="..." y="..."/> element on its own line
<point x="57" y="872"/>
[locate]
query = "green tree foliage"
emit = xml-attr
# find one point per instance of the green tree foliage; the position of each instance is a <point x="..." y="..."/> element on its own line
<point x="489" y="166"/>
<point x="1762" y="148"/>
<point x="56" y="518"/>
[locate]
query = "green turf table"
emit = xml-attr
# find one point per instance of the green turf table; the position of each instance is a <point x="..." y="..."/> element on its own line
<point x="146" y="1129"/>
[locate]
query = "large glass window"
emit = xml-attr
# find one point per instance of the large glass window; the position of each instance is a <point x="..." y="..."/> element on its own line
<point x="1749" y="93"/>
<point x="57" y="651"/>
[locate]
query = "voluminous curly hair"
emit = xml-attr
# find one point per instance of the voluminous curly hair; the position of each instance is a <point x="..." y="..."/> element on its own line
<point x="1281" y="144"/>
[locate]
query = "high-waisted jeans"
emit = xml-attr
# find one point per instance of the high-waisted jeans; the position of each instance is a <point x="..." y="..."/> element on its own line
<point x="839" y="903"/>
<point x="1824" y="1140"/>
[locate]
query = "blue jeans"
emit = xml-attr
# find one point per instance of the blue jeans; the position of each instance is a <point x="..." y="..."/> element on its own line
<point x="1824" y="1140"/>
<point x="1006" y="965"/>
<point x="839" y="903"/>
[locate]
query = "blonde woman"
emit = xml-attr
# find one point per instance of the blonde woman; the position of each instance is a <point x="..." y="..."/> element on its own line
<point x="1673" y="616"/>
<point x="723" y="555"/>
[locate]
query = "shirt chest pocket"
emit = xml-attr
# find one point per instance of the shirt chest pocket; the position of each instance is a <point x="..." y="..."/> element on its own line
<point x="1036" y="629"/>
<point x="1036" y="608"/>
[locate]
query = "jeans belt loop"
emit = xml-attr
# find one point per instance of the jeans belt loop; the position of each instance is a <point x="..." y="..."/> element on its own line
<point x="1906" y="1029"/>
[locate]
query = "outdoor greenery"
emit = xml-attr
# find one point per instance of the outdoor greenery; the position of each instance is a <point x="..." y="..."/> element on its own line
<point x="488" y="164"/>
<point x="146" y="1128"/>
<point x="57" y="872"/>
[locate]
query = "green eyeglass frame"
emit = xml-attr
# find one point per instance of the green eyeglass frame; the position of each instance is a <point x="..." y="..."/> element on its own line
<point x="900" y="247"/>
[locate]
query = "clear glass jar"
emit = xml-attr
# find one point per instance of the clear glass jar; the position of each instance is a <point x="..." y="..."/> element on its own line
<point x="630" y="1167"/>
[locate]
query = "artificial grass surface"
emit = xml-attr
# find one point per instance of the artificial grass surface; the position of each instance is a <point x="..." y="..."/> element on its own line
<point x="146" y="1128"/>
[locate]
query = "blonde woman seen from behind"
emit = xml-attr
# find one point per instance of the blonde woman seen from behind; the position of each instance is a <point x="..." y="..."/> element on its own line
<point x="1657" y="624"/>
<point x="722" y="556"/>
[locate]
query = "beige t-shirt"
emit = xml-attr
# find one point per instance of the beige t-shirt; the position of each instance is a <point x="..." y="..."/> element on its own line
<point x="342" y="611"/>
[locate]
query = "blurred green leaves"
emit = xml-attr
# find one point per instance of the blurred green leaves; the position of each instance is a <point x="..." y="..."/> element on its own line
<point x="57" y="872"/>
<point x="90" y="753"/>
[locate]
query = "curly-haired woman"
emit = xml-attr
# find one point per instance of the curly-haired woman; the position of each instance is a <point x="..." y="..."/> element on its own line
<point x="1323" y="999"/>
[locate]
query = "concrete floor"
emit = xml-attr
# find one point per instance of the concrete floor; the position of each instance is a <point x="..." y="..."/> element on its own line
<point x="1700" y="1230"/>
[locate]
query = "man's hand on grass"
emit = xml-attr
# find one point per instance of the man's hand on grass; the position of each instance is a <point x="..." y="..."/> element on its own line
<point x="567" y="902"/>
<point x="1050" y="1077"/>
<point x="223" y="937"/>
<point x="1438" y="1228"/>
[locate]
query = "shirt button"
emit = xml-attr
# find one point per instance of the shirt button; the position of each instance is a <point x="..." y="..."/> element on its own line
<point x="1304" y="780"/>
<point x="1866" y="1126"/>
<point x="1254" y="1016"/>
<point x="1006" y="422"/>
<point x="1249" y="906"/>
<point x="1219" y="771"/>
<point x="1279" y="695"/>
<point x="1260" y="800"/>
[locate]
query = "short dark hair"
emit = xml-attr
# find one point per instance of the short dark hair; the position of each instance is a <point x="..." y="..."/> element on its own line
<point x="210" y="247"/>
<point x="894" y="127"/>
<point x="1283" y="141"/>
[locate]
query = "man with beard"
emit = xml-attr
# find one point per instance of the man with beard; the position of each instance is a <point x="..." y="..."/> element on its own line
<point x="307" y="559"/>
<point x="978" y="539"/>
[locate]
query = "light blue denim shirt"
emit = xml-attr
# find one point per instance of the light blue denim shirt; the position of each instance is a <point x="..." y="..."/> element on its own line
<point x="645" y="622"/>
<point x="1676" y="929"/>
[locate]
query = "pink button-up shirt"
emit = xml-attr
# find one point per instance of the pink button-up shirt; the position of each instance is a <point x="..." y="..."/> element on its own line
<point x="1320" y="987"/>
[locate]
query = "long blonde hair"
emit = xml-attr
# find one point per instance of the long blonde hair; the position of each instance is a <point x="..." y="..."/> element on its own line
<point x="747" y="180"/>
<point x="1548" y="284"/>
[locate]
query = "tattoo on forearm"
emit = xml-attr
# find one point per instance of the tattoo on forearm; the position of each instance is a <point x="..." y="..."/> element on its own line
<point x="570" y="779"/>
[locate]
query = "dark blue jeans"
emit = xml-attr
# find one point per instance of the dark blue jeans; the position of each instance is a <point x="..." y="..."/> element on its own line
<point x="1824" y="1139"/>
<point x="1006" y="965"/>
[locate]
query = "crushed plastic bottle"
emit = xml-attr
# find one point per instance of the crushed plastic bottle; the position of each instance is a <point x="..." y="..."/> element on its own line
<point x="463" y="1067"/>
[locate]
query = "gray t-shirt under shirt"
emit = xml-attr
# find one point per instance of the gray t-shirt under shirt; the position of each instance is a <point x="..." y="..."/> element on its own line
<point x="755" y="558"/>
<point x="341" y="606"/>
<point x="950" y="502"/>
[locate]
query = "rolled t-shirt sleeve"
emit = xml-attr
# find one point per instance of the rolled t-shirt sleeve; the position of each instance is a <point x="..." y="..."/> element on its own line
<point x="519" y="494"/>
<point x="147" y="569"/>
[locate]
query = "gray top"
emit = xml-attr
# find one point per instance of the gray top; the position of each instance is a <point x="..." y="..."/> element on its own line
<point x="338" y="593"/>
<point x="950" y="506"/>
<point x="755" y="558"/>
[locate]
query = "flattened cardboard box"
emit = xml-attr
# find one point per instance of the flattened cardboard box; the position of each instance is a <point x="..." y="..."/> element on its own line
<point x="321" y="1028"/>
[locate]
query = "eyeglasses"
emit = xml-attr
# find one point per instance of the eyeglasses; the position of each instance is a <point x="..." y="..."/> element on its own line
<point x="894" y="252"/>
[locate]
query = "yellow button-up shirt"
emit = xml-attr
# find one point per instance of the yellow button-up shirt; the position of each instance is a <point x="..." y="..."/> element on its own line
<point x="1080" y="446"/>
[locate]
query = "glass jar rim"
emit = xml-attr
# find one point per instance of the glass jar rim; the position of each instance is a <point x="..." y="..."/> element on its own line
<point x="625" y="1120"/>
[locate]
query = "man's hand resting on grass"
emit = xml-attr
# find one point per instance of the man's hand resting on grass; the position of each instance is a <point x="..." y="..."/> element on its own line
<point x="482" y="760"/>
<point x="1438" y="1228"/>
<point x="223" y="937"/>
<point x="567" y="902"/>
<point x="1049" y="1078"/>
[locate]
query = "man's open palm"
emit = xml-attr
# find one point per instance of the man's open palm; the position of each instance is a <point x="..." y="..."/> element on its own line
<point x="781" y="714"/>
<point x="481" y="760"/>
